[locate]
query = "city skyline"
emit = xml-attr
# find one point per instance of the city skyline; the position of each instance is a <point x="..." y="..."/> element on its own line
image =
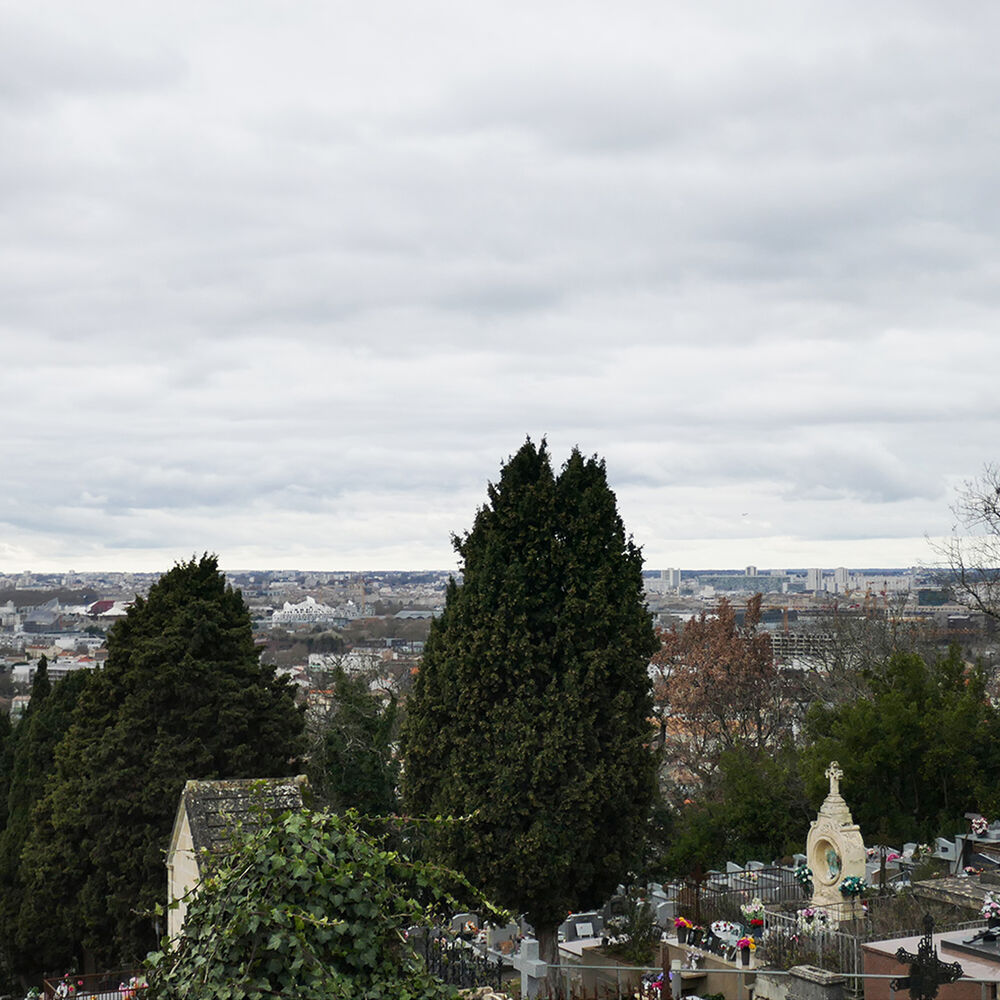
<point x="289" y="284"/>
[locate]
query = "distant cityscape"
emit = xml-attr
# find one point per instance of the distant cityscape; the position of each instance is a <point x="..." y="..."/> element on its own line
<point x="307" y="622"/>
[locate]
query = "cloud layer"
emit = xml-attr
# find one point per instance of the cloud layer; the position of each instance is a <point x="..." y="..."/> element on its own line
<point x="290" y="282"/>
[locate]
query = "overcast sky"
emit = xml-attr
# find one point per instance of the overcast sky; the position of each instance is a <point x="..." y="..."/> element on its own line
<point x="289" y="281"/>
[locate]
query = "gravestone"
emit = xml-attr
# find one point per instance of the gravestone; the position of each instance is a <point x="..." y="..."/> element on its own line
<point x="498" y="937"/>
<point x="665" y="913"/>
<point x="947" y="849"/>
<point x="616" y="906"/>
<point x="835" y="850"/>
<point x="582" y="925"/>
<point x="460" y="922"/>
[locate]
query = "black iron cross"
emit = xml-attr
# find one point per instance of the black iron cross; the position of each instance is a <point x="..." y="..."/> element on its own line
<point x="927" y="971"/>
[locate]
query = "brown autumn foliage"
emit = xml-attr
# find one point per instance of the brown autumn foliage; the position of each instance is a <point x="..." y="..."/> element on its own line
<point x="717" y="688"/>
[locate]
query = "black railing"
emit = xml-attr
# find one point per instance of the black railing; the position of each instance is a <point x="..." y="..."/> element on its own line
<point x="457" y="963"/>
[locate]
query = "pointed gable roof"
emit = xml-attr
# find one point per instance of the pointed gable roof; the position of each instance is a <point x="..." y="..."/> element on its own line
<point x="215" y="808"/>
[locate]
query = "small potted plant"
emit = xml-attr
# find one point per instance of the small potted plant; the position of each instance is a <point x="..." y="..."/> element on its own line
<point x="683" y="927"/>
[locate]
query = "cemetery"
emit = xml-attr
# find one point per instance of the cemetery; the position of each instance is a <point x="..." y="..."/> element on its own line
<point x="841" y="920"/>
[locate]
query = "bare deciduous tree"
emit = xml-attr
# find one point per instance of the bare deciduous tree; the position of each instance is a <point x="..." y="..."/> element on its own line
<point x="973" y="551"/>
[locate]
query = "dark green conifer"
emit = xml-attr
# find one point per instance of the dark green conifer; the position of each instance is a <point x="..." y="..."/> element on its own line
<point x="531" y="708"/>
<point x="37" y="734"/>
<point x="182" y="695"/>
<point x="352" y="765"/>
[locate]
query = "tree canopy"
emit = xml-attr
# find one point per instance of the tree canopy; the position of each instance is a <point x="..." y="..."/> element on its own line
<point x="753" y="806"/>
<point x="352" y="764"/>
<point x="182" y="695"/>
<point x="530" y="711"/>
<point x="917" y="752"/>
<point x="717" y="690"/>
<point x="37" y="735"/>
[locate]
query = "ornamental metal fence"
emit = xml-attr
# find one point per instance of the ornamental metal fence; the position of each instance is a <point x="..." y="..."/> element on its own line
<point x="721" y="895"/>
<point x="457" y="963"/>
<point x="806" y="939"/>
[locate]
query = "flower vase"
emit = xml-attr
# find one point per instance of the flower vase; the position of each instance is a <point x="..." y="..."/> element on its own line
<point x="745" y="957"/>
<point x="682" y="935"/>
<point x="694" y="938"/>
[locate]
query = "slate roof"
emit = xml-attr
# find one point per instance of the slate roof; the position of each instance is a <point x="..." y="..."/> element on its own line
<point x="215" y="808"/>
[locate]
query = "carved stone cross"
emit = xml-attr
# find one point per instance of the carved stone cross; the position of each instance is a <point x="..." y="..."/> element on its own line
<point x="834" y="773"/>
<point x="927" y="971"/>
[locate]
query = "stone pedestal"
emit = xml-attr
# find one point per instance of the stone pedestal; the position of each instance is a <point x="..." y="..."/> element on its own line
<point x="808" y="982"/>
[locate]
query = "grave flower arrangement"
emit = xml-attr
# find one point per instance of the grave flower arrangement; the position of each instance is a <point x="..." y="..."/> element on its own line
<point x="990" y="908"/>
<point x="812" y="919"/>
<point x="682" y="922"/>
<point x="725" y="929"/>
<point x="753" y="912"/>
<point x="804" y="876"/>
<point x="853" y="885"/>
<point x="971" y="870"/>
<point x="980" y="826"/>
<point x="747" y="942"/>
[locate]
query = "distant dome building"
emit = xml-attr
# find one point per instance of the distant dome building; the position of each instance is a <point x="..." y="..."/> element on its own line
<point x="308" y="612"/>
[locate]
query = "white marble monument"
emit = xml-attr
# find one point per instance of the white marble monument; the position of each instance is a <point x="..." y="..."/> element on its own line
<point x="835" y="850"/>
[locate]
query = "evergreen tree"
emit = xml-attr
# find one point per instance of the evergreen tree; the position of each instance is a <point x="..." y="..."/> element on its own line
<point x="530" y="712"/>
<point x="41" y="686"/>
<point x="352" y="765"/>
<point x="753" y="806"/>
<point x="182" y="695"/>
<point x="39" y="731"/>
<point x="918" y="752"/>
<point x="7" y="738"/>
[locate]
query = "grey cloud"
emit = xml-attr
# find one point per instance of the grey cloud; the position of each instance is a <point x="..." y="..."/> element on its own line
<point x="298" y="287"/>
<point x="53" y="55"/>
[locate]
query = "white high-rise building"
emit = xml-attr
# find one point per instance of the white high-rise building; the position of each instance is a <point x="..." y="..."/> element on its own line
<point x="814" y="579"/>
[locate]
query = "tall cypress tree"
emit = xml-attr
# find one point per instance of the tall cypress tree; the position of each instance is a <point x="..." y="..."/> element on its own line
<point x="39" y="731"/>
<point x="182" y="695"/>
<point x="530" y="712"/>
